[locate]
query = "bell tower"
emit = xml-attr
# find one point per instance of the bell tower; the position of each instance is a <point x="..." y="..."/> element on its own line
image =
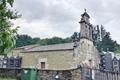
<point x="86" y="27"/>
<point x="88" y="53"/>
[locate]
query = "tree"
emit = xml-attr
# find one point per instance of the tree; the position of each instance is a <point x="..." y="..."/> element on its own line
<point x="103" y="41"/>
<point x="75" y="36"/>
<point x="36" y="40"/>
<point x="53" y="40"/>
<point x="107" y="43"/>
<point x="23" y="40"/>
<point x="117" y="51"/>
<point x="7" y="34"/>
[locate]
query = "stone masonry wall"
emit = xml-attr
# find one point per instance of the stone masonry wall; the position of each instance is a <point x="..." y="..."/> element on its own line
<point x="54" y="60"/>
<point x="74" y="74"/>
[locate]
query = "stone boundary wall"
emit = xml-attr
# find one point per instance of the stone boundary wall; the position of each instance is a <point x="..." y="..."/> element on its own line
<point x="73" y="74"/>
<point x="78" y="74"/>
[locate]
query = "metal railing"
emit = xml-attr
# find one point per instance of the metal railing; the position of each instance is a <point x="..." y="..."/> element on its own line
<point x="96" y="74"/>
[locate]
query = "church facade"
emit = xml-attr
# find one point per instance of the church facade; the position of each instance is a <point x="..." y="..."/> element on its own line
<point x="62" y="56"/>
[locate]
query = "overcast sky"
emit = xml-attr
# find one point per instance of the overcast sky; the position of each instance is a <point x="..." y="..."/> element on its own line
<point x="48" y="18"/>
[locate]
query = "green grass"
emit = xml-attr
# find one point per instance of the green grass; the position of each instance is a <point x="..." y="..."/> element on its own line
<point x="7" y="79"/>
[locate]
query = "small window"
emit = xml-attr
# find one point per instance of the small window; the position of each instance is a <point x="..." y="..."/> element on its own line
<point x="115" y="63"/>
<point x="42" y="65"/>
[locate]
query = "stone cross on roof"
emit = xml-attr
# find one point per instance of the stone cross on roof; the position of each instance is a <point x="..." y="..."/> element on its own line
<point x="85" y="9"/>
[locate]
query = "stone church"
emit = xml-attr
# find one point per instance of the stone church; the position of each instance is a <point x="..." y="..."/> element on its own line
<point x="62" y="56"/>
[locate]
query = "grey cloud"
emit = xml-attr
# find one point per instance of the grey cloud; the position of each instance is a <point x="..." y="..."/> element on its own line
<point x="31" y="9"/>
<point x="43" y="9"/>
<point x="63" y="15"/>
<point x="101" y="10"/>
<point x="60" y="16"/>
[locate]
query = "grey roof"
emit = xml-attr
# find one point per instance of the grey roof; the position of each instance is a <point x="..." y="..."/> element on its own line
<point x="27" y="47"/>
<point x="65" y="46"/>
<point x="30" y="46"/>
<point x="85" y="14"/>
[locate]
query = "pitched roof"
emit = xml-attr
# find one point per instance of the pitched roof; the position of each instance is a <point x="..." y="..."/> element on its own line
<point x="30" y="46"/>
<point x="27" y="47"/>
<point x="65" y="46"/>
<point x="85" y="14"/>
